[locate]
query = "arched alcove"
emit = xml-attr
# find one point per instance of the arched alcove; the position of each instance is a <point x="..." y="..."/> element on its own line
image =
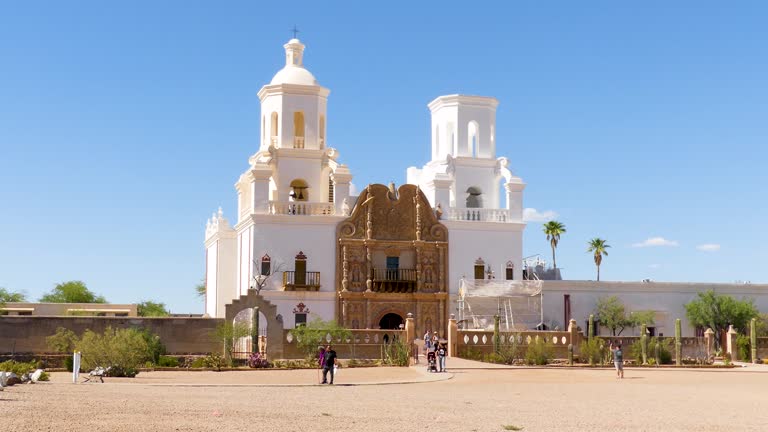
<point x="473" y="138"/>
<point x="298" y="129"/>
<point x="299" y="190"/>
<point x="273" y="129"/>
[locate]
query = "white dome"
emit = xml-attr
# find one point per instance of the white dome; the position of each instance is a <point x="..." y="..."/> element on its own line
<point x="294" y="75"/>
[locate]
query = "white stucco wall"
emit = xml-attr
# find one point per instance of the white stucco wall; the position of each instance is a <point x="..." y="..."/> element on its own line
<point x="495" y="243"/>
<point x="668" y="299"/>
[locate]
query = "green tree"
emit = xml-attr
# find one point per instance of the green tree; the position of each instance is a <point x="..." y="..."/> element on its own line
<point x="152" y="309"/>
<point x="309" y="337"/>
<point x="613" y="315"/>
<point x="125" y="350"/>
<point x="553" y="230"/>
<point x="598" y="247"/>
<point x="200" y="289"/>
<point x="228" y="333"/>
<point x="718" y="311"/>
<point x="63" y="341"/>
<point x="71" y="292"/>
<point x="11" y="297"/>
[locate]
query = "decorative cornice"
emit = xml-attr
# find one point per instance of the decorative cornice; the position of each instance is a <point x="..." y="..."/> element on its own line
<point x="292" y="89"/>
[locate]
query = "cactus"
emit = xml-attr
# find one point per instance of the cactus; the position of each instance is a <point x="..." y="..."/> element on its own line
<point x="753" y="339"/>
<point x="678" y="343"/>
<point x="496" y="342"/>
<point x="657" y="352"/>
<point x="591" y="327"/>
<point x="570" y="354"/>
<point x="644" y="343"/>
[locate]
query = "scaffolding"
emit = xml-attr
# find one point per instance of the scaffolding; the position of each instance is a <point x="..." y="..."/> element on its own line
<point x="519" y="304"/>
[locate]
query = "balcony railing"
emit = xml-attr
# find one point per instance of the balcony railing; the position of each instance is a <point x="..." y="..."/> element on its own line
<point x="301" y="281"/>
<point x="298" y="142"/>
<point x="301" y="208"/>
<point x="478" y="214"/>
<point x="398" y="274"/>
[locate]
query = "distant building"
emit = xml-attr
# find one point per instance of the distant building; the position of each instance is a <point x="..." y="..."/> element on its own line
<point x="69" y="309"/>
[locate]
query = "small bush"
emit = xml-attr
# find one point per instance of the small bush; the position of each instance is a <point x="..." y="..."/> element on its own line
<point x="665" y="350"/>
<point x="539" y="352"/>
<point x="471" y="354"/>
<point x="19" y="368"/>
<point x="744" y="346"/>
<point x="593" y="351"/>
<point x="509" y="350"/>
<point x="397" y="353"/>
<point x="168" y="361"/>
<point x="198" y="363"/>
<point x="257" y="361"/>
<point x="214" y="361"/>
<point x="122" y="371"/>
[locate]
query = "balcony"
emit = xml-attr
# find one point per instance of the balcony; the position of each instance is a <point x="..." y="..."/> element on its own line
<point x="301" y="281"/>
<point x="301" y="208"/>
<point x="298" y="142"/>
<point x="478" y="215"/>
<point x="401" y="281"/>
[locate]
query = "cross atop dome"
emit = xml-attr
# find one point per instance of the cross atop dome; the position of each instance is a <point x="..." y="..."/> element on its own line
<point x="294" y="51"/>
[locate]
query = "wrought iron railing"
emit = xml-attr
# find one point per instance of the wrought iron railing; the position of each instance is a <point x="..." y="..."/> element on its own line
<point x="301" y="281"/>
<point x="398" y="274"/>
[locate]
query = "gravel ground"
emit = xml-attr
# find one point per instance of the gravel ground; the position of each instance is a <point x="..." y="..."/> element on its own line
<point x="472" y="400"/>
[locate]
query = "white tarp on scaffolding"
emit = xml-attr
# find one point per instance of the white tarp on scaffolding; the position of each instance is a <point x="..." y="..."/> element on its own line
<point x="518" y="303"/>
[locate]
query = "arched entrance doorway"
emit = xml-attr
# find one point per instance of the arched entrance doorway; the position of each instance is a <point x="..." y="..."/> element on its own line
<point x="391" y="321"/>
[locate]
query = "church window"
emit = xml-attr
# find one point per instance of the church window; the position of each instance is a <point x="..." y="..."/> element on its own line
<point x="474" y="197"/>
<point x="510" y="271"/>
<point x="266" y="265"/>
<point x="298" y="129"/>
<point x="273" y="130"/>
<point x="472" y="139"/>
<point x="301" y="319"/>
<point x="480" y="269"/>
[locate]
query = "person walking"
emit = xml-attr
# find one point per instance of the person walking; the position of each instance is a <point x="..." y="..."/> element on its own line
<point x="618" y="359"/>
<point x="441" y="358"/>
<point x="320" y="361"/>
<point x="330" y="361"/>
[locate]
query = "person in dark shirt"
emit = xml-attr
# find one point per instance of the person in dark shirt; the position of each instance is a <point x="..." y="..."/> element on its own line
<point x="618" y="359"/>
<point x="330" y="362"/>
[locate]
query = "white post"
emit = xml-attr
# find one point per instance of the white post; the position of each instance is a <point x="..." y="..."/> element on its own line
<point x="75" y="366"/>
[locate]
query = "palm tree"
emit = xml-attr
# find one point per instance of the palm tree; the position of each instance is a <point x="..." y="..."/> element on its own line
<point x="598" y="246"/>
<point x="553" y="229"/>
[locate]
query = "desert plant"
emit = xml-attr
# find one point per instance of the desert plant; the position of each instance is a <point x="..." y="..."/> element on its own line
<point x="397" y="353"/>
<point x="257" y="361"/>
<point x="744" y="346"/>
<point x="665" y="349"/>
<point x="125" y="350"/>
<point x="214" y="361"/>
<point x="22" y="368"/>
<point x="753" y="339"/>
<point x="718" y="311"/>
<point x="539" y="352"/>
<point x="593" y="351"/>
<point x="197" y="363"/>
<point x="309" y="337"/>
<point x="509" y="350"/>
<point x="678" y="342"/>
<point x="598" y="247"/>
<point x="63" y="341"/>
<point x="71" y="292"/>
<point x="168" y="361"/>
<point x="553" y="230"/>
<point x="591" y="326"/>
<point x="228" y="333"/>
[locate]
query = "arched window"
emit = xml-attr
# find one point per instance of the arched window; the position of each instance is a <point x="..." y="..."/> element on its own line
<point x="472" y="138"/>
<point x="299" y="190"/>
<point x="510" y="271"/>
<point x="322" y="132"/>
<point x="474" y="197"/>
<point x="273" y="130"/>
<point x="298" y="129"/>
<point x="266" y="265"/>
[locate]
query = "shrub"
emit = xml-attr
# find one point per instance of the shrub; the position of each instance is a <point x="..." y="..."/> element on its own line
<point x="744" y="346"/>
<point x="125" y="350"/>
<point x="168" y="361"/>
<point x="665" y="350"/>
<point x="309" y="337"/>
<point x="63" y="341"/>
<point x="214" y="361"/>
<point x="397" y="353"/>
<point x="539" y="352"/>
<point x="198" y="363"/>
<point x="593" y="351"/>
<point x="470" y="353"/>
<point x="122" y="371"/>
<point x="509" y="350"/>
<point x="257" y="361"/>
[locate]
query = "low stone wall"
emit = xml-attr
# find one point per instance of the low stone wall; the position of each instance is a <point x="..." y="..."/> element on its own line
<point x="482" y="341"/>
<point x="26" y="334"/>
<point x="363" y="344"/>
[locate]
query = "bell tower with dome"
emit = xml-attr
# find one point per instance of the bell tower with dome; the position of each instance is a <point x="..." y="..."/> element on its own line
<point x="290" y="199"/>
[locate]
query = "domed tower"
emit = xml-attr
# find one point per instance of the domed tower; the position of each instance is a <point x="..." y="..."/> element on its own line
<point x="293" y="105"/>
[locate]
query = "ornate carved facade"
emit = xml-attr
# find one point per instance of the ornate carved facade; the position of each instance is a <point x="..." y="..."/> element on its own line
<point x="392" y="259"/>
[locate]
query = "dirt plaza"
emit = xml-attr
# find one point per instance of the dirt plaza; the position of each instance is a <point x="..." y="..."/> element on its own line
<point x="471" y="397"/>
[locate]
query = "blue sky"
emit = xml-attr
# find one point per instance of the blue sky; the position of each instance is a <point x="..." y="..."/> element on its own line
<point x="123" y="126"/>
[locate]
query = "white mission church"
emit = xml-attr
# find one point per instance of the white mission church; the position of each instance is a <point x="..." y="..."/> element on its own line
<point x="317" y="251"/>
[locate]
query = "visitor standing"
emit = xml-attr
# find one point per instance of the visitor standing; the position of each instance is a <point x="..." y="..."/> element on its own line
<point x="427" y="341"/>
<point x="618" y="359"/>
<point x="320" y="361"/>
<point x="441" y="358"/>
<point x="330" y="361"/>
